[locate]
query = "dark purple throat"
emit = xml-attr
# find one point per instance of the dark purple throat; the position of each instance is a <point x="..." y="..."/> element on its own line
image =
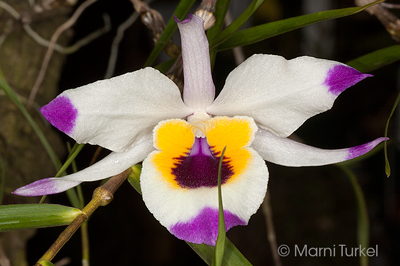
<point x="199" y="168"/>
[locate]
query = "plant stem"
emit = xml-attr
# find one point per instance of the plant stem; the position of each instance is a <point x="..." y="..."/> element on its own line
<point x="101" y="197"/>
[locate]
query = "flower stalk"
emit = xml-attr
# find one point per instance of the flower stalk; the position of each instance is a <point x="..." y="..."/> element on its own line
<point x="102" y="196"/>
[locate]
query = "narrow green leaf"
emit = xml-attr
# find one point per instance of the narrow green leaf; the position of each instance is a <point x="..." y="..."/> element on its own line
<point x="221" y="7"/>
<point x="234" y="26"/>
<point x="377" y="59"/>
<point x="220" y="245"/>
<point x="134" y="177"/>
<point x="232" y="256"/>
<point x="74" y="152"/>
<point x="268" y="30"/>
<point x="362" y="213"/>
<point x="387" y="165"/>
<point x="71" y="193"/>
<point x="165" y="66"/>
<point x="22" y="216"/>
<point x="2" y="178"/>
<point x="181" y="10"/>
<point x="45" y="263"/>
<point x="14" y="98"/>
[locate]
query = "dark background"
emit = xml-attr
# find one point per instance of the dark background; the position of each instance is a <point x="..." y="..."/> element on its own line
<point x="313" y="206"/>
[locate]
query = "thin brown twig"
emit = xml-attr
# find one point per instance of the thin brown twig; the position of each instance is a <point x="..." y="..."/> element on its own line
<point x="115" y="44"/>
<point x="50" y="50"/>
<point x="151" y="18"/>
<point x="77" y="45"/>
<point x="10" y="10"/>
<point x="267" y="210"/>
<point x="390" y="5"/>
<point x="386" y="17"/>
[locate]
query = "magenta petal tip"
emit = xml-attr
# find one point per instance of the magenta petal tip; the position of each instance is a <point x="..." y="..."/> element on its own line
<point x="341" y="77"/>
<point x="204" y="227"/>
<point x="38" y="188"/>
<point x="185" y="20"/>
<point x="364" y="148"/>
<point x="61" y="113"/>
<point x="46" y="186"/>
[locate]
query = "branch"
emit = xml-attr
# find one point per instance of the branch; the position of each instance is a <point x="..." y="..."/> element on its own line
<point x="50" y="50"/>
<point x="101" y="197"/>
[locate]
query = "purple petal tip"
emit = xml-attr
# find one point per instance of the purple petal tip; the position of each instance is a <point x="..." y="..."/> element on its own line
<point x="183" y="21"/>
<point x="61" y="113"/>
<point x="204" y="227"/>
<point x="364" y="148"/>
<point x="39" y="188"/>
<point x="341" y="77"/>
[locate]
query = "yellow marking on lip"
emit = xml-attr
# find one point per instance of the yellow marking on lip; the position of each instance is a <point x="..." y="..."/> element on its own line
<point x="175" y="138"/>
<point x="236" y="134"/>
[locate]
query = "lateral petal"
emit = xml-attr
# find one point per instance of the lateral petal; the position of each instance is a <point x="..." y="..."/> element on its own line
<point x="186" y="202"/>
<point x="281" y="94"/>
<point x="113" y="164"/>
<point x="199" y="89"/>
<point x="287" y="152"/>
<point x="114" y="113"/>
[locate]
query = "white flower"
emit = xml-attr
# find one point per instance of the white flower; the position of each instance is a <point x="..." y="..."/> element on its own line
<point x="141" y="116"/>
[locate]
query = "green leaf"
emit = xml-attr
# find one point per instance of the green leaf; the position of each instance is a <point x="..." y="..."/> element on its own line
<point x="234" y="26"/>
<point x="165" y="66"/>
<point x="387" y="164"/>
<point x="362" y="213"/>
<point x="134" y="177"/>
<point x="74" y="152"/>
<point x="377" y="59"/>
<point x="14" y="98"/>
<point x="268" y="30"/>
<point x="181" y="10"/>
<point x="45" y="263"/>
<point x="232" y="256"/>
<point x="221" y="7"/>
<point x="2" y="178"/>
<point x="71" y="193"/>
<point x="22" y="216"/>
<point x="220" y="245"/>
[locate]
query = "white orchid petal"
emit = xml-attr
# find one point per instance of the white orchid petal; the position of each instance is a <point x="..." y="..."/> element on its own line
<point x="287" y="152"/>
<point x="114" y="113"/>
<point x="113" y="164"/>
<point x="199" y="90"/>
<point x="281" y="94"/>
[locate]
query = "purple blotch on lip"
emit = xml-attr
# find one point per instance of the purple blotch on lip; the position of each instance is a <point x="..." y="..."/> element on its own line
<point x="199" y="168"/>
<point x="364" y="148"/>
<point x="341" y="77"/>
<point x="204" y="227"/>
<point x="61" y="113"/>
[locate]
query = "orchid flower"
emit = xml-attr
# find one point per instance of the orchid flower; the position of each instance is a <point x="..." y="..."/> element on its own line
<point x="141" y="116"/>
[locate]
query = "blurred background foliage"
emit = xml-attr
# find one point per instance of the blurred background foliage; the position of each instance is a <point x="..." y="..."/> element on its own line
<point x="314" y="206"/>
